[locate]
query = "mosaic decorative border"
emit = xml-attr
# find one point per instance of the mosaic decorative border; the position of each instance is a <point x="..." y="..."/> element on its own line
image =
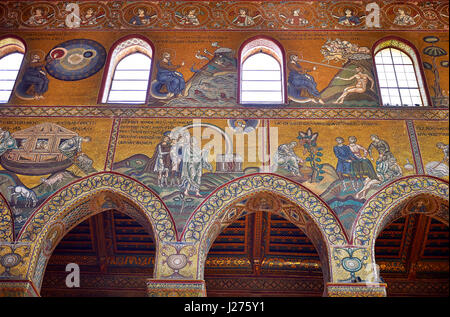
<point x="156" y="211"/>
<point x="220" y="113"/>
<point x="224" y="15"/>
<point x="370" y="215"/>
<point x="197" y="226"/>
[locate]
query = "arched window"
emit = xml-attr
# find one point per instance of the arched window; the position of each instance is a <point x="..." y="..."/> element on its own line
<point x="12" y="51"/>
<point x="399" y="76"/>
<point x="128" y="76"/>
<point x="261" y="78"/>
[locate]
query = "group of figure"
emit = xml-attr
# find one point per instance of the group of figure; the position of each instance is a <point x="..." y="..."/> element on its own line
<point x="178" y="160"/>
<point x="342" y="50"/>
<point x="354" y="164"/>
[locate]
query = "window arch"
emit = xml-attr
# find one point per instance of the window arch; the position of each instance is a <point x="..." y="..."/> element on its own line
<point x="261" y="72"/>
<point x="128" y="72"/>
<point x="12" y="52"/>
<point x="400" y="78"/>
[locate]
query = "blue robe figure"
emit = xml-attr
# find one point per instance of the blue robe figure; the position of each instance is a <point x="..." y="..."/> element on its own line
<point x="300" y="84"/>
<point x="141" y="18"/>
<point x="344" y="154"/>
<point x="34" y="81"/>
<point x="349" y="18"/>
<point x="168" y="76"/>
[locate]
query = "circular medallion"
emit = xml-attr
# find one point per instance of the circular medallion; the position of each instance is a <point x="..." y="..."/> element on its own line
<point x="351" y="264"/>
<point x="75" y="59"/>
<point x="177" y="261"/>
<point x="10" y="260"/>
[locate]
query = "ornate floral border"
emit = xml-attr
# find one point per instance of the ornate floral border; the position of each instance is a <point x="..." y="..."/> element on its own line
<point x="221" y="15"/>
<point x="376" y="208"/>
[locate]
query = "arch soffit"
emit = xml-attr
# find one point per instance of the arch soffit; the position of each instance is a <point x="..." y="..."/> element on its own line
<point x="381" y="204"/>
<point x="222" y="198"/>
<point x="290" y="211"/>
<point x="66" y="200"/>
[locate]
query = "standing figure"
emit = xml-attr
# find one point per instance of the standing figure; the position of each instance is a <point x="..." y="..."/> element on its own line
<point x="361" y="167"/>
<point x="439" y="168"/>
<point x="384" y="155"/>
<point x="359" y="87"/>
<point x="160" y="162"/>
<point x="301" y="85"/>
<point x="194" y="161"/>
<point x="444" y="148"/>
<point x="345" y="158"/>
<point x="168" y="77"/>
<point x="178" y="145"/>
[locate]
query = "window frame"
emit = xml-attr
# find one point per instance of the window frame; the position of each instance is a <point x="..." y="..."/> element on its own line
<point x="281" y="61"/>
<point x="112" y="63"/>
<point x="403" y="45"/>
<point x="16" y="50"/>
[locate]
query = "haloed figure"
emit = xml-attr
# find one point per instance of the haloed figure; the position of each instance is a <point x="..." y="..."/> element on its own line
<point x="169" y="77"/>
<point x="34" y="80"/>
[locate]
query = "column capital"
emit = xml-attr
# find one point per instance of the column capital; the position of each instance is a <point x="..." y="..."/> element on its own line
<point x="176" y="288"/>
<point x="355" y="290"/>
<point x="18" y="288"/>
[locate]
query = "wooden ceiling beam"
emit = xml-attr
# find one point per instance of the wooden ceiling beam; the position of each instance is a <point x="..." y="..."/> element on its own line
<point x="99" y="239"/>
<point x="418" y="243"/>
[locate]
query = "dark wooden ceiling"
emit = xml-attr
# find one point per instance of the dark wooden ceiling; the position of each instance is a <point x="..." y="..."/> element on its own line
<point x="260" y="254"/>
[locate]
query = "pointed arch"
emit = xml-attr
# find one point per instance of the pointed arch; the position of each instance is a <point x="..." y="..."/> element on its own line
<point x="64" y="199"/>
<point x="132" y="57"/>
<point x="58" y="226"/>
<point x="84" y="198"/>
<point x="262" y="74"/>
<point x="369" y="221"/>
<point x="399" y="73"/>
<point x="268" y="201"/>
<point x="12" y="52"/>
<point x="209" y="212"/>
